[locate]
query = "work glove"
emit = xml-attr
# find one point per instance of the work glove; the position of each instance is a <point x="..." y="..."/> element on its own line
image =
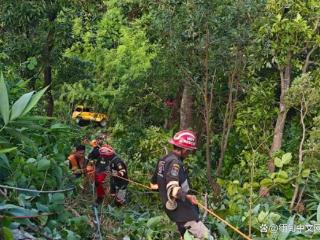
<point x="154" y="186"/>
<point x="192" y="199"/>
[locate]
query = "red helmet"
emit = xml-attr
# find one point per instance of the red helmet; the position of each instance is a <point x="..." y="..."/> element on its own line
<point x="106" y="151"/>
<point x="184" y="139"/>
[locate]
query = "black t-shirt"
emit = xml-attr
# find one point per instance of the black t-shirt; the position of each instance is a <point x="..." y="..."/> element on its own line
<point x="103" y="164"/>
<point x="170" y="168"/>
<point x="94" y="154"/>
<point x="118" y="167"/>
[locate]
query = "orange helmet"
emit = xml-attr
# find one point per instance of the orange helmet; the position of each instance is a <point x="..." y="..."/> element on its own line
<point x="184" y="139"/>
<point x="106" y="151"/>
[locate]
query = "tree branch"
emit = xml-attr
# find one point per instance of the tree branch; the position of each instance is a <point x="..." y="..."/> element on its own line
<point x="307" y="61"/>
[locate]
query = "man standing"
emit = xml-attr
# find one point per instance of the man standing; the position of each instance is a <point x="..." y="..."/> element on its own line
<point x="172" y="180"/>
<point x="102" y="170"/>
<point x="77" y="161"/>
<point x="110" y="162"/>
<point x="96" y="144"/>
<point x="118" y="180"/>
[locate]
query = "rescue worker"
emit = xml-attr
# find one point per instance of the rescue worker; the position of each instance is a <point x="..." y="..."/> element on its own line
<point x="93" y="156"/>
<point x="118" y="180"/>
<point x="77" y="161"/>
<point x="172" y="179"/>
<point x="102" y="170"/>
<point x="96" y="144"/>
<point x="110" y="162"/>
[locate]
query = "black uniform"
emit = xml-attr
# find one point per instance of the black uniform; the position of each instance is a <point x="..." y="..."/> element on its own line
<point x="170" y="168"/>
<point x="117" y="166"/>
<point x="102" y="165"/>
<point x="94" y="154"/>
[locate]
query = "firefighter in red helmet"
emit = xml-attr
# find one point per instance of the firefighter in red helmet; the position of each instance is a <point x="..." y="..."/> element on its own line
<point x="172" y="179"/>
<point x="107" y="163"/>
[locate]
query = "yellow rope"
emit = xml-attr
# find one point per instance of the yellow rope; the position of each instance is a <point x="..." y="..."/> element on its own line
<point x="128" y="180"/>
<point x="225" y="222"/>
<point x="200" y="205"/>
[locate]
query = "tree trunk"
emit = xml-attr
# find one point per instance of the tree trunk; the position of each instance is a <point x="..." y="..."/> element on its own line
<point x="233" y="83"/>
<point x="278" y="131"/>
<point x="186" y="111"/>
<point x="285" y="76"/>
<point x="208" y="99"/>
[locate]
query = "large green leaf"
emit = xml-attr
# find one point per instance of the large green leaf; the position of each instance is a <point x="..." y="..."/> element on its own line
<point x="282" y="174"/>
<point x="4" y="101"/>
<point x="57" y="198"/>
<point x="20" y="105"/>
<point x="7" y="206"/>
<point x="284" y="234"/>
<point x="305" y="173"/>
<point x="43" y="164"/>
<point x="286" y="158"/>
<point x="154" y="221"/>
<point x="4" y="141"/>
<point x="187" y="236"/>
<point x="17" y="210"/>
<point x="14" y="133"/>
<point x="34" y="100"/>
<point x="71" y="235"/>
<point x="6" y="150"/>
<point x="7" y="233"/>
<point x="4" y="161"/>
<point x="222" y="230"/>
<point x="267" y="182"/>
<point x="278" y="162"/>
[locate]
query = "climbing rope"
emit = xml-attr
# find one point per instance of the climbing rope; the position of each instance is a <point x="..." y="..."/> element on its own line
<point x="192" y="190"/>
<point x="200" y="205"/>
<point x="131" y="181"/>
<point x="144" y="186"/>
<point x="36" y="191"/>
<point x="225" y="222"/>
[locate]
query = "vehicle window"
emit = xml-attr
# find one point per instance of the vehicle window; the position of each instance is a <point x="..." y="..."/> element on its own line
<point x="86" y="109"/>
<point x="78" y="109"/>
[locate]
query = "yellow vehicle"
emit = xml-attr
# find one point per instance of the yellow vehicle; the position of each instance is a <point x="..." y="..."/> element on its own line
<point x="82" y="114"/>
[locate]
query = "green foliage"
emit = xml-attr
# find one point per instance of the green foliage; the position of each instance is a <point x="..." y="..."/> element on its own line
<point x="312" y="145"/>
<point x="126" y="58"/>
<point x="288" y="27"/>
<point x="121" y="55"/>
<point x="153" y="144"/>
<point x="137" y="225"/>
<point x="304" y="90"/>
<point x="32" y="156"/>
<point x="4" y="100"/>
<point x="255" y="115"/>
<point x="141" y="149"/>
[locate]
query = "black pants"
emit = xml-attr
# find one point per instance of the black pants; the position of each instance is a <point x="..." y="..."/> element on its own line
<point x="181" y="228"/>
<point x="116" y="184"/>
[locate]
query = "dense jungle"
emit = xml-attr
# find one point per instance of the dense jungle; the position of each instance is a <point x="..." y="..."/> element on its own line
<point x="243" y="75"/>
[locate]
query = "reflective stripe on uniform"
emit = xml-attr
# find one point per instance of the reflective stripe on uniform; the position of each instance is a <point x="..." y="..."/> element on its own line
<point x="122" y="172"/>
<point x="173" y="188"/>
